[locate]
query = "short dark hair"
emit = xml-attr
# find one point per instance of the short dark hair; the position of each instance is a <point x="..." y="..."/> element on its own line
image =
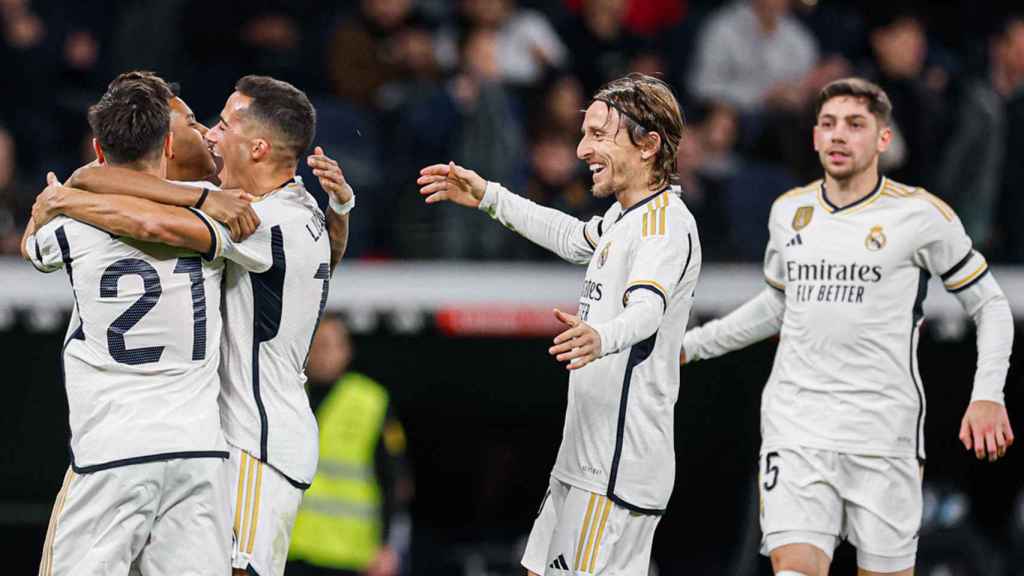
<point x="876" y="99"/>
<point x="648" y="105"/>
<point x="283" y="108"/>
<point x="131" y="121"/>
<point x="156" y="83"/>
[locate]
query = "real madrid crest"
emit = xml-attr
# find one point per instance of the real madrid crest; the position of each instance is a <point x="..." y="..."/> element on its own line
<point x="802" y="217"/>
<point x="876" y="239"/>
<point x="603" y="256"/>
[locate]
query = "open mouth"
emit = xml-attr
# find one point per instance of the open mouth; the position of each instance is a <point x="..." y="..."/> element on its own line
<point x="596" y="169"/>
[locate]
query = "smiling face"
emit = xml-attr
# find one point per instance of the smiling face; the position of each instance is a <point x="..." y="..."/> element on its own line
<point x="232" y="140"/>
<point x="192" y="159"/>
<point x="613" y="160"/>
<point x="849" y="138"/>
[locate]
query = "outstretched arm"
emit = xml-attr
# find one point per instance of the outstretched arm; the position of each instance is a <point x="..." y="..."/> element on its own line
<point x="332" y="180"/>
<point x="985" y="428"/>
<point x="230" y="207"/>
<point x="759" y="318"/>
<point x="127" y="216"/>
<point x="558" y="232"/>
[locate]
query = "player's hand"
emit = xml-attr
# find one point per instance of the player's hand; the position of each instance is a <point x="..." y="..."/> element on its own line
<point x="579" y="344"/>
<point x="385" y="563"/>
<point x="453" y="183"/>
<point x="986" y="430"/>
<point x="233" y="208"/>
<point x="332" y="179"/>
<point x="48" y="202"/>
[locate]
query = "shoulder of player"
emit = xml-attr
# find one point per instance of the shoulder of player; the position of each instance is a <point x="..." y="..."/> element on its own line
<point x="666" y="214"/>
<point x="797" y="194"/>
<point x="917" y="199"/>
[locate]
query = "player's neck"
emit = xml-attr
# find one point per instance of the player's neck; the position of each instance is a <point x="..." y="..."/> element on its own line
<point x="634" y="194"/>
<point x="262" y="181"/>
<point x="844" y="192"/>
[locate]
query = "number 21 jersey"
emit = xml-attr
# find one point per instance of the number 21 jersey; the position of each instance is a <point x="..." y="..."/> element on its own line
<point x="140" y="357"/>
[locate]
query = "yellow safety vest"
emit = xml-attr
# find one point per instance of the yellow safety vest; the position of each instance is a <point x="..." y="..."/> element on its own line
<point x="339" y="523"/>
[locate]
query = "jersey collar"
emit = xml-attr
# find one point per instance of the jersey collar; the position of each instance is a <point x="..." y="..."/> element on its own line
<point x="862" y="201"/>
<point x="642" y="202"/>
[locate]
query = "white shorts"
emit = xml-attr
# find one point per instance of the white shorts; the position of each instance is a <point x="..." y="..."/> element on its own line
<point x="161" y="518"/>
<point x="263" y="505"/>
<point x="816" y="497"/>
<point x="580" y="532"/>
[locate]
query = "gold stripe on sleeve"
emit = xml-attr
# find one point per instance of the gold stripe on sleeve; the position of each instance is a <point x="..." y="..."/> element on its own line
<point x="600" y="534"/>
<point x="972" y="276"/>
<point x="661" y="220"/>
<point x="643" y="233"/>
<point x="651" y="283"/>
<point x="583" y="531"/>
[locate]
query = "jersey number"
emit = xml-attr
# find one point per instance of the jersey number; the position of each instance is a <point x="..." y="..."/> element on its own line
<point x="152" y="291"/>
<point x="772" y="469"/>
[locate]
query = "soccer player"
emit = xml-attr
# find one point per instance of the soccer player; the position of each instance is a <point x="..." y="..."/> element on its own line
<point x="842" y="415"/>
<point x="616" y="465"/>
<point x="147" y="478"/>
<point x="274" y="296"/>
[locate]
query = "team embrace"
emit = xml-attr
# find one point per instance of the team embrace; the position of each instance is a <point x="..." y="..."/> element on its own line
<point x="200" y="267"/>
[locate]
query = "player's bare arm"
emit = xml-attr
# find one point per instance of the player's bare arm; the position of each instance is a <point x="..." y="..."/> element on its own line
<point x="231" y="207"/>
<point x="332" y="180"/>
<point x="453" y="183"/>
<point x="578" y="345"/>
<point x="123" y="216"/>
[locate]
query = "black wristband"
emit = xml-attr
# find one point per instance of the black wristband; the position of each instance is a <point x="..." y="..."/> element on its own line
<point x="202" y="198"/>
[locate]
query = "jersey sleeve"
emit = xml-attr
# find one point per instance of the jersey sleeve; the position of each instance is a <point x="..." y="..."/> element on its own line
<point x="947" y="250"/>
<point x="46" y="248"/>
<point x="572" y="239"/>
<point x="253" y="254"/>
<point x="666" y="249"/>
<point x="774" y="268"/>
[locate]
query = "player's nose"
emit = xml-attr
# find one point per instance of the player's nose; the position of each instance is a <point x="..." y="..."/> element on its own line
<point x="583" y="149"/>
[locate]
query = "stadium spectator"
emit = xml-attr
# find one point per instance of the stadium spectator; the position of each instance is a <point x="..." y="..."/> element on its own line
<point x="382" y="45"/>
<point x="527" y="45"/>
<point x="753" y="54"/>
<point x="900" y="48"/>
<point x="970" y="174"/>
<point x="647" y="17"/>
<point x="601" y="46"/>
<point x="15" y="199"/>
<point x="1012" y="205"/>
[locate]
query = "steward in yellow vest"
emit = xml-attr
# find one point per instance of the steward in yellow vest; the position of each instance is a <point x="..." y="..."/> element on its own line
<point x="353" y="518"/>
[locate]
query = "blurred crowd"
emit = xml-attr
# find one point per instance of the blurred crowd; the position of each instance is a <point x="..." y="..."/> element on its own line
<point x="498" y="85"/>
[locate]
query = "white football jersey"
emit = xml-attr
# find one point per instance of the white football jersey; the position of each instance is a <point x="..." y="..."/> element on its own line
<point x="845" y="376"/>
<point x="141" y="354"/>
<point x="275" y="289"/>
<point x="618" y="438"/>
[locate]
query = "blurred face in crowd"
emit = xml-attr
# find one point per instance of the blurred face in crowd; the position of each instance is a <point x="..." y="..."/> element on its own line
<point x="849" y="138"/>
<point x="486" y="12"/>
<point x="235" y="140"/>
<point x="6" y="158"/>
<point x="900" y="48"/>
<point x="613" y="160"/>
<point x="331" y="352"/>
<point x="1013" y="48"/>
<point x="387" y="13"/>
<point x="191" y="158"/>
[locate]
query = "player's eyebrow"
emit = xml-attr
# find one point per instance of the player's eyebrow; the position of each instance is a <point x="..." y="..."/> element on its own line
<point x="222" y="121"/>
<point x="190" y="118"/>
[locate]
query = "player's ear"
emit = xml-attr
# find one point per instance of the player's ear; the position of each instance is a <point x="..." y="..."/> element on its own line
<point x="98" y="150"/>
<point x="884" y="138"/>
<point x="169" y="145"/>
<point x="260" y="149"/>
<point x="650" y="145"/>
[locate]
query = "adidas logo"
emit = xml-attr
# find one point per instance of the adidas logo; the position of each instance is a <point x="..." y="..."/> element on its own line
<point x="559" y="563"/>
<point x="795" y="241"/>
